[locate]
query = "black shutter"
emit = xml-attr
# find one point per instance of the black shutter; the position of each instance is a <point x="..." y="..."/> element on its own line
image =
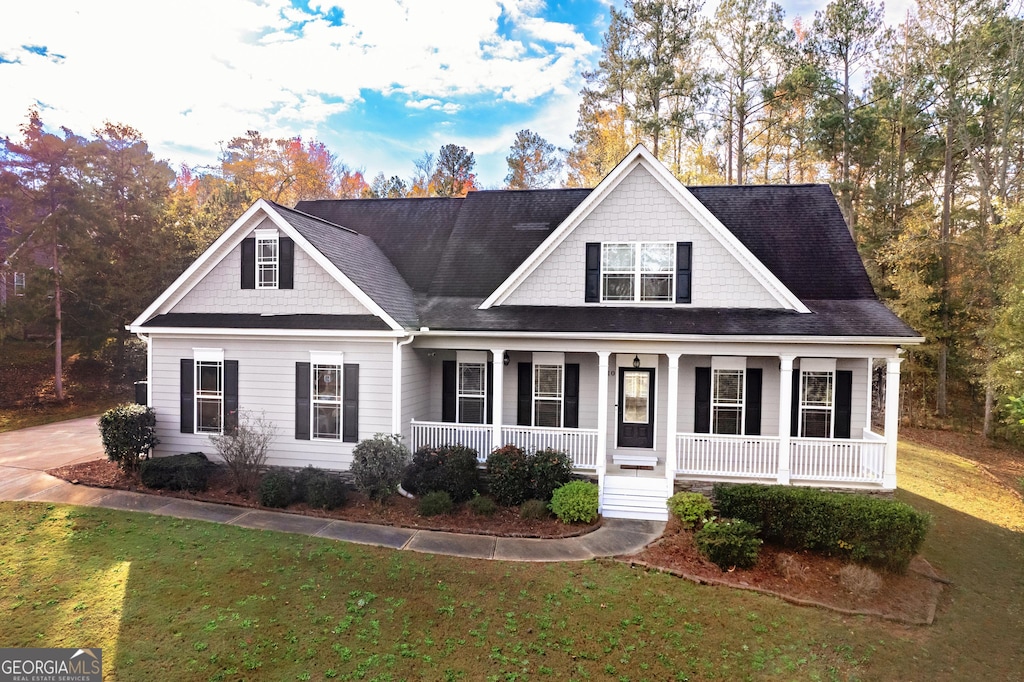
<point x="489" y="400"/>
<point x="702" y="400"/>
<point x="844" y="403"/>
<point x="524" y="403"/>
<point x="188" y="378"/>
<point x="302" y="400"/>
<point x="230" y="395"/>
<point x="286" y="263"/>
<point x="571" y="397"/>
<point x="350" y="404"/>
<point x="448" y="388"/>
<point x="249" y="263"/>
<point x="592" y="289"/>
<point x="684" y="271"/>
<point x="752" y="400"/>
<point x="794" y="413"/>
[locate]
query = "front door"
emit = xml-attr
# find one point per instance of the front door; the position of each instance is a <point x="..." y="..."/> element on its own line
<point x="636" y="408"/>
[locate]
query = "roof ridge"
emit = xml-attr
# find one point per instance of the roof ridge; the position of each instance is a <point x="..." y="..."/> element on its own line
<point x="312" y="217"/>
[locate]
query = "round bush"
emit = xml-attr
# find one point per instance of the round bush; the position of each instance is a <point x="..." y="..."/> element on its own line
<point x="508" y="475"/>
<point x="324" y="491"/>
<point x="692" y="509"/>
<point x="377" y="465"/>
<point x="277" y="489"/>
<point x="534" y="509"/>
<point x="189" y="472"/>
<point x="549" y="469"/>
<point x="575" y="502"/>
<point x="128" y="432"/>
<point x="729" y="542"/>
<point x="452" y="468"/>
<point x="481" y="505"/>
<point x="436" y="503"/>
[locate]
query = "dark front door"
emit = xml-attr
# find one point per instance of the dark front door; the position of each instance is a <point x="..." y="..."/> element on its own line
<point x="636" y="408"/>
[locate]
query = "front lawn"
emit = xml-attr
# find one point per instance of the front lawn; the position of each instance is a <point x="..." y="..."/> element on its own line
<point x="185" y="600"/>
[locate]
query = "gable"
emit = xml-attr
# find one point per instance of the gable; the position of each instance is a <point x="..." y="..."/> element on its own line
<point x="315" y="291"/>
<point x="640" y="209"/>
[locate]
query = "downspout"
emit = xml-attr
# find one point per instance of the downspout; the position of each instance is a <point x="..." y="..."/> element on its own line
<point x="396" y="392"/>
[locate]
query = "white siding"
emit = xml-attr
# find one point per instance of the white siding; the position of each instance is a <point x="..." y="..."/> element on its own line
<point x="315" y="291"/>
<point x="416" y="389"/>
<point x="266" y="383"/>
<point x="769" y="391"/>
<point x="858" y="415"/>
<point x="640" y="209"/>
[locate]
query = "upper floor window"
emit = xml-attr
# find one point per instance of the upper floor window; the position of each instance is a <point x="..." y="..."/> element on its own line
<point x="267" y="260"/>
<point x="638" y="272"/>
<point x="19" y="284"/>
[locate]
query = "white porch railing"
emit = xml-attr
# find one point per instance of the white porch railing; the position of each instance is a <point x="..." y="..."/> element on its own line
<point x="837" y="459"/>
<point x="580" y="444"/>
<point x="705" y="454"/>
<point x="436" y="434"/>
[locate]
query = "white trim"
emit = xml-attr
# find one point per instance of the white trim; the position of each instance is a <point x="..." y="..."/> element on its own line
<point x="319" y="357"/>
<point x="719" y="338"/>
<point x="233" y="236"/>
<point x="728" y="362"/>
<point x="471" y="357"/>
<point x="326" y="359"/>
<point x="208" y="354"/>
<point x="818" y="365"/>
<point x="270" y="333"/>
<point x="641" y="157"/>
<point x="266" y="233"/>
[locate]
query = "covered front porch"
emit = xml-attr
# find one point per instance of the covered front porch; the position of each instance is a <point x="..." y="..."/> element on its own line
<point x="642" y="423"/>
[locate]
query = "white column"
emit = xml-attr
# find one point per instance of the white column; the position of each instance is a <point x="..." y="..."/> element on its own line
<point x="867" y="402"/>
<point x="785" y="422"/>
<point x="892" y="420"/>
<point x="672" y="418"/>
<point x="497" y="394"/>
<point x="602" y="413"/>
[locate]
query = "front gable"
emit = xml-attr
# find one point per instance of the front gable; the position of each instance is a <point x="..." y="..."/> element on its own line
<point x="640" y="202"/>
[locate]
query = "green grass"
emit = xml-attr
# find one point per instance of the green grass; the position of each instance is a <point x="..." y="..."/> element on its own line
<point x="184" y="600"/>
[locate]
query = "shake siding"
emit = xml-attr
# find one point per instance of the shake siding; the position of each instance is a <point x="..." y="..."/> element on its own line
<point x="416" y="389"/>
<point x="315" y="291"/>
<point x="640" y="209"/>
<point x="266" y="383"/>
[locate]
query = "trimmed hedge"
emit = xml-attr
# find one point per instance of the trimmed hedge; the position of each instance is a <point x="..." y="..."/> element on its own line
<point x="320" y="489"/>
<point x="883" y="533"/>
<point x="728" y="543"/>
<point x="451" y="468"/>
<point x="508" y="475"/>
<point x="190" y="472"/>
<point x="277" y="489"/>
<point x="549" y="470"/>
<point x="575" y="502"/>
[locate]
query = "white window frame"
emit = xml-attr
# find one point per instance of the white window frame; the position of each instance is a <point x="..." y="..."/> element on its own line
<point x="269" y="265"/>
<point x="204" y="358"/>
<point x="331" y="362"/>
<point x="637" y="272"/>
<point x="721" y="366"/>
<point x="822" y="368"/>
<point x="19" y="283"/>
<point x="548" y="362"/>
<point x="474" y="359"/>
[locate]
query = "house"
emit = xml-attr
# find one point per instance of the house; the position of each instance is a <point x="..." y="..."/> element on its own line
<point x="657" y="333"/>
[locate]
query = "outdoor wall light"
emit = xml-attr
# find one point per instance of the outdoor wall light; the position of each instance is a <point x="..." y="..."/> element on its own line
<point x="505" y="359"/>
<point x="636" y="361"/>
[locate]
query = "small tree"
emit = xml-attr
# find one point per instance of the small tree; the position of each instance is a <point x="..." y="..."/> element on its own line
<point x="377" y="465"/>
<point x="244" y="449"/>
<point x="129" y="433"/>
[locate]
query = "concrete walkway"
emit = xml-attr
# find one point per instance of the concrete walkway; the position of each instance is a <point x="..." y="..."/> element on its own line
<point x="25" y="455"/>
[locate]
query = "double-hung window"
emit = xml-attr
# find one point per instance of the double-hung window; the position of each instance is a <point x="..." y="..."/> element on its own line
<point x="472" y="392"/>
<point x="209" y="390"/>
<point x="817" y="398"/>
<point x="547" y="394"/>
<point x="727" y="401"/>
<point x="19" y="284"/>
<point x="638" y="271"/>
<point x="326" y="395"/>
<point x="267" y="259"/>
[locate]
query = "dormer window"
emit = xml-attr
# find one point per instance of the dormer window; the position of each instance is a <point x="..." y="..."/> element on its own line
<point x="267" y="260"/>
<point x="638" y="272"/>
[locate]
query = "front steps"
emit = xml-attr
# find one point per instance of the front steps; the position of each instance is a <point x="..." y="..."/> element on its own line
<point x="634" y="497"/>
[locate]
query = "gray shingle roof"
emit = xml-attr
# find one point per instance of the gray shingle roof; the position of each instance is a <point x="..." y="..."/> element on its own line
<point x="256" y="321"/>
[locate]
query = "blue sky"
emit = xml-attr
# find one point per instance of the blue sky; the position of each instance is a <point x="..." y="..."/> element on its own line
<point x="379" y="81"/>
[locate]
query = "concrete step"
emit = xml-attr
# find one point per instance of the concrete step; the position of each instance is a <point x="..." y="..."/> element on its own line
<point x="629" y="497"/>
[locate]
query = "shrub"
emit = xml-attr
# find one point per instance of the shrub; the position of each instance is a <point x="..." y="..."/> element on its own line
<point x="189" y="472"/>
<point x="320" y="489"/>
<point x="549" y="469"/>
<point x="883" y="533"/>
<point x="534" y="509"/>
<point x="436" y="503"/>
<point x="575" y="502"/>
<point x="481" y="505"/>
<point x="860" y="580"/>
<point x="277" y="489"/>
<point x="508" y="475"/>
<point x="728" y="543"/>
<point x="129" y="434"/>
<point x="692" y="509"/>
<point x="452" y="468"/>
<point x="244" y="449"/>
<point x="377" y="465"/>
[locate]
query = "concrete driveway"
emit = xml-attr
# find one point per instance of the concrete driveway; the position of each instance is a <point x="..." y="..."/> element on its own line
<point x="26" y="454"/>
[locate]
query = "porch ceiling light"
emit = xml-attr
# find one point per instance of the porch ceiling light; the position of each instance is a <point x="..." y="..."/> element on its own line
<point x="505" y="359"/>
<point x="636" y="361"/>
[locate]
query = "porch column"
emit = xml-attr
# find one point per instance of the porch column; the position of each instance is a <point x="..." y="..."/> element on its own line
<point x="672" y="418"/>
<point x="602" y="413"/>
<point x="785" y="423"/>
<point x="871" y="376"/>
<point x="892" y="420"/>
<point x="498" y="372"/>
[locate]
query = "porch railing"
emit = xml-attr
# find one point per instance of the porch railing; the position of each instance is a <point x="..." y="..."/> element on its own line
<point x="580" y="444"/>
<point x="716" y="455"/>
<point x="837" y="459"/>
